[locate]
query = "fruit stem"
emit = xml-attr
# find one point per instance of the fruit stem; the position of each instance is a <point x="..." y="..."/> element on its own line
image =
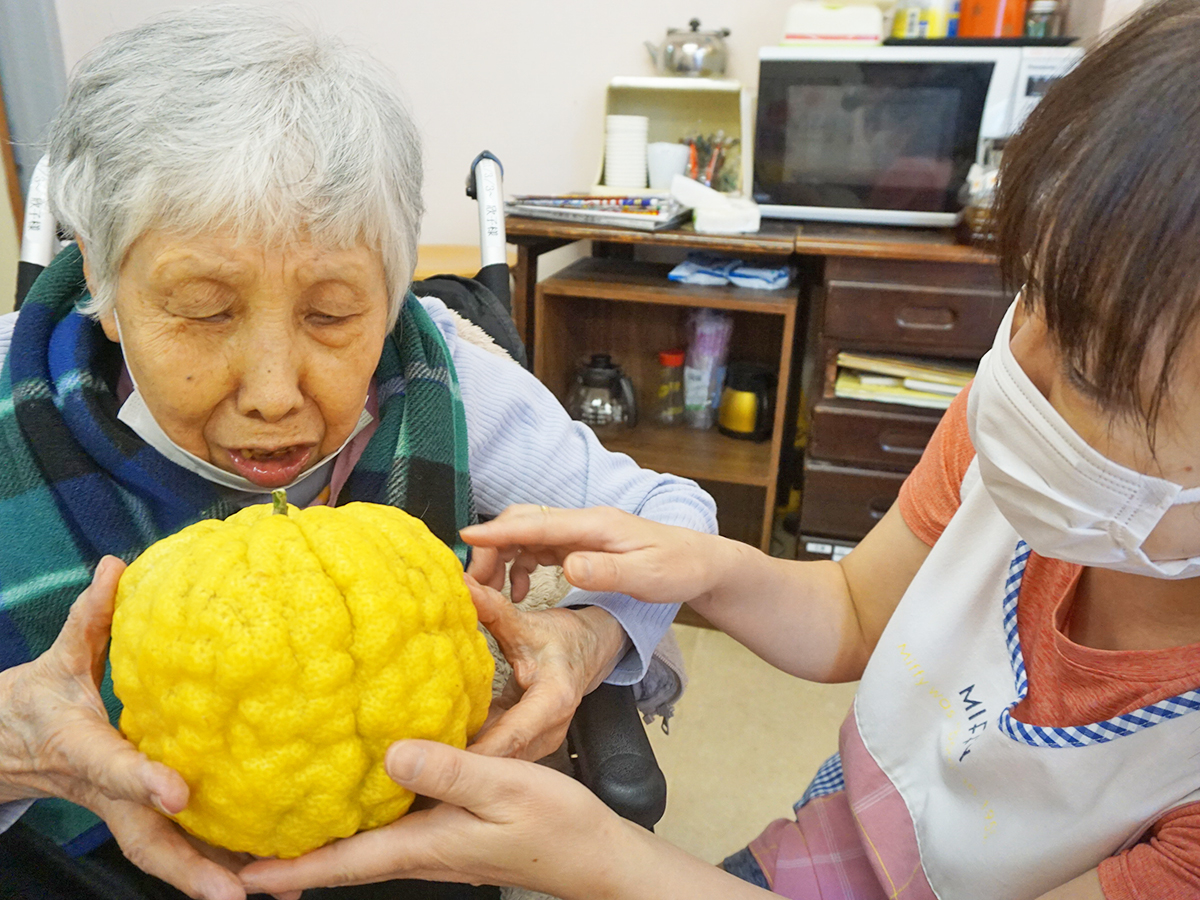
<point x="279" y="502"/>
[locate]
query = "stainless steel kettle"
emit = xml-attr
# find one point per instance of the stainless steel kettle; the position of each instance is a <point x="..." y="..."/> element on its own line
<point x="692" y="52"/>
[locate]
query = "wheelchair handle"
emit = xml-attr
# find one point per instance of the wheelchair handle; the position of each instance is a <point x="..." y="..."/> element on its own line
<point x="39" y="239"/>
<point x="485" y="184"/>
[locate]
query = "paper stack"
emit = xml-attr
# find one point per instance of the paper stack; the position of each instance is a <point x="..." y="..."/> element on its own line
<point x="907" y="380"/>
<point x="643" y="213"/>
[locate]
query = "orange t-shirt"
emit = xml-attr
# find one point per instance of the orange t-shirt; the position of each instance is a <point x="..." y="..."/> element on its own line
<point x="1070" y="684"/>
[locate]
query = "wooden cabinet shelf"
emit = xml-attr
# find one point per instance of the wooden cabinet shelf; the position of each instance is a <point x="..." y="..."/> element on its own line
<point x="705" y="455"/>
<point x="631" y="311"/>
<point x="641" y="282"/>
<point x="891" y="290"/>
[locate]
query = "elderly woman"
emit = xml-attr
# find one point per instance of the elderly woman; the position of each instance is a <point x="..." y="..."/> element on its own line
<point x="245" y="199"/>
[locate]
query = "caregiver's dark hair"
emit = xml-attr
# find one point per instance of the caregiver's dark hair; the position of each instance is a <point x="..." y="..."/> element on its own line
<point x="1099" y="209"/>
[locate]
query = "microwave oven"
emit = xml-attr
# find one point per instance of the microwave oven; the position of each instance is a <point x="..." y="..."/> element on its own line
<point x="886" y="135"/>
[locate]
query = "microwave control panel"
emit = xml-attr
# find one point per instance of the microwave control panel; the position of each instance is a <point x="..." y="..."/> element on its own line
<point x="1039" y="68"/>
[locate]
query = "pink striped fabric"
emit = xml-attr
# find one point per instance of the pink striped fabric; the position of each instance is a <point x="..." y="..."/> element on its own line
<point x="856" y="844"/>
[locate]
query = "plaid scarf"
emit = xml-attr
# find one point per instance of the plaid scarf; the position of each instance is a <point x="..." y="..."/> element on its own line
<point x="76" y="484"/>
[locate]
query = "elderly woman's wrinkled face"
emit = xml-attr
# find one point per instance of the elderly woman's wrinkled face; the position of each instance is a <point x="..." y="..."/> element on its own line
<point x="256" y="359"/>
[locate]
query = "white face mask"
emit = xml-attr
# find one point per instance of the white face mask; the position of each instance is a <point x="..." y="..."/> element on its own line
<point x="137" y="415"/>
<point x="1064" y="498"/>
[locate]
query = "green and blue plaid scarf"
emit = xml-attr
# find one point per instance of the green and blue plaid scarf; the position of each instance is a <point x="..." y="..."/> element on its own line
<point x="76" y="484"/>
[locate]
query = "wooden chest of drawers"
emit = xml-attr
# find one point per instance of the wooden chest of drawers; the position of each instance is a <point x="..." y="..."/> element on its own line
<point x="858" y="452"/>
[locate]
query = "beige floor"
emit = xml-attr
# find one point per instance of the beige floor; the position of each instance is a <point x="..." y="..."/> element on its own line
<point x="744" y="743"/>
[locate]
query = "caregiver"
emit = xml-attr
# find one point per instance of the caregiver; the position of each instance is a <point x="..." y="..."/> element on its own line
<point x="246" y="200"/>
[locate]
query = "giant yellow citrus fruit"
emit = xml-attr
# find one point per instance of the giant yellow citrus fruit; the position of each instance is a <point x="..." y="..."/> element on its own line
<point x="271" y="659"/>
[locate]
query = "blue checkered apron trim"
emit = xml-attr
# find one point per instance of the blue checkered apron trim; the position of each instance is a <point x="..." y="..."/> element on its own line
<point x="1076" y="735"/>
<point x="828" y="780"/>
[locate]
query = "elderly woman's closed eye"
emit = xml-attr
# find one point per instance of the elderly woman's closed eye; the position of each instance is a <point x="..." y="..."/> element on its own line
<point x="234" y="316"/>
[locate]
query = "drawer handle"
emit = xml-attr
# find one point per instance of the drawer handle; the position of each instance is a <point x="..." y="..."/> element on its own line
<point x="894" y="442"/>
<point x="926" y="318"/>
<point x="879" y="506"/>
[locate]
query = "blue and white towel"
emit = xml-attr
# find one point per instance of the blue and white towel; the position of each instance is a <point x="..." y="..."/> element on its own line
<point x="707" y="268"/>
<point x="704" y="268"/>
<point x="764" y="278"/>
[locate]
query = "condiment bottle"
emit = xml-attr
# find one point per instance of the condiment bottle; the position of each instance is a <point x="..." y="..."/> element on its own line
<point x="670" y="387"/>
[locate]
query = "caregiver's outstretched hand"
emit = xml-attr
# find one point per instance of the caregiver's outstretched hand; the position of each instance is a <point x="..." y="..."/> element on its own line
<point x="604" y="549"/>
<point x="502" y="821"/>
<point x="506" y="822"/>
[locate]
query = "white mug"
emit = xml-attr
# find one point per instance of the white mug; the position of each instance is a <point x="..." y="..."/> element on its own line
<point x="664" y="161"/>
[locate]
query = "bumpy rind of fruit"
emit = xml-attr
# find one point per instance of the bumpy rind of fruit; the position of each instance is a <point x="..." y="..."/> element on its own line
<point x="272" y="659"/>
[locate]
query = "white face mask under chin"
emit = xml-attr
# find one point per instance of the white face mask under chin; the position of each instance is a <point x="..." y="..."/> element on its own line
<point x="1064" y="498"/>
<point x="137" y="415"/>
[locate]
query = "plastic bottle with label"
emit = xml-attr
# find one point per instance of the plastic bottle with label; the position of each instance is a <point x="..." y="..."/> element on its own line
<point x="1043" y="19"/>
<point x="704" y="369"/>
<point x="670" y="387"/>
<point x="926" y="19"/>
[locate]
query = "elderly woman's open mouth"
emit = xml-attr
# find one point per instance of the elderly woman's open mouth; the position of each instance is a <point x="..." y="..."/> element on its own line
<point x="272" y="467"/>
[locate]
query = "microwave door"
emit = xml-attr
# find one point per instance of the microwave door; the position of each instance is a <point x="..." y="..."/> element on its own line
<point x="867" y="142"/>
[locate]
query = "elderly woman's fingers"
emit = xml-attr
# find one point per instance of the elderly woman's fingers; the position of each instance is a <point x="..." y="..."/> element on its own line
<point x="501" y="703"/>
<point x="82" y="644"/>
<point x="487" y="567"/>
<point x="495" y="613"/>
<point x="56" y="735"/>
<point x="89" y="745"/>
<point x="94" y="754"/>
<point x="557" y="655"/>
<point x="156" y="845"/>
<point x="522" y="567"/>
<point x="532" y="728"/>
<point x="530" y="718"/>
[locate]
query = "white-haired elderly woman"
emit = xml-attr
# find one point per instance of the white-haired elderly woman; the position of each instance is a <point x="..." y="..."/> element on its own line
<point x="234" y="317"/>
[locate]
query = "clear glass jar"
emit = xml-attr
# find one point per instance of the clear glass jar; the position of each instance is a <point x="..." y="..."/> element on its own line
<point x="670" y="388"/>
<point x="1043" y="19"/>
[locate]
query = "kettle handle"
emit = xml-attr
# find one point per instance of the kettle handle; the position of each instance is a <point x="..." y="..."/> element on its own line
<point x="630" y="400"/>
<point x="763" y="424"/>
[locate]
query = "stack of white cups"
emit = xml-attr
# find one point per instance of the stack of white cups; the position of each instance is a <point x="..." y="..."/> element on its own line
<point x="625" y="151"/>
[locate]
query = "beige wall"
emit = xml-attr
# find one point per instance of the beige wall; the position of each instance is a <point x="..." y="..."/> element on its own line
<point x="8" y="251"/>
<point x="1088" y="19"/>
<point x="524" y="78"/>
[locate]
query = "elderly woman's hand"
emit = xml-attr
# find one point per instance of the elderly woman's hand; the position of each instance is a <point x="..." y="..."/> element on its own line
<point x="56" y="741"/>
<point x="557" y="655"/>
<point x="55" y="738"/>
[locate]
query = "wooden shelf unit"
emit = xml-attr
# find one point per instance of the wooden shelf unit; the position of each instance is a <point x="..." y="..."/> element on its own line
<point x="631" y="311"/>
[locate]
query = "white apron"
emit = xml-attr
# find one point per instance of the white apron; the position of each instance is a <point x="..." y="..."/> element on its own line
<point x="1004" y="810"/>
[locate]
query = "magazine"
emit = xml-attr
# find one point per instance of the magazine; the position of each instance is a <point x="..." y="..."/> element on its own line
<point x="642" y="213"/>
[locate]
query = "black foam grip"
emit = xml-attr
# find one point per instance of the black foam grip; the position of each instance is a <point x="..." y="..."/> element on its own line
<point x="614" y="758"/>
<point x="27" y="274"/>
<point x="495" y="279"/>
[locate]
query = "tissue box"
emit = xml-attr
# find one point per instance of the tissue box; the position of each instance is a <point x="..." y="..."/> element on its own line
<point x="823" y="22"/>
<point x="680" y="107"/>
